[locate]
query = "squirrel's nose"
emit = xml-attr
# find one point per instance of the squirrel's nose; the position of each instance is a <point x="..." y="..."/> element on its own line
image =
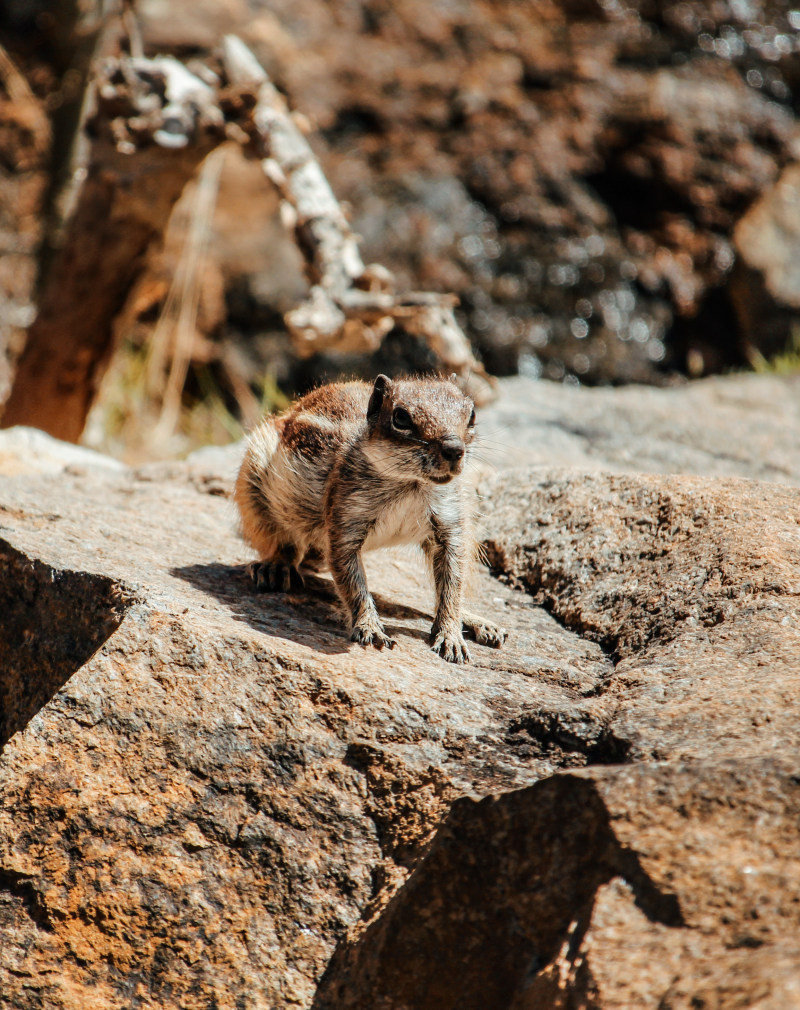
<point x="452" y="448"/>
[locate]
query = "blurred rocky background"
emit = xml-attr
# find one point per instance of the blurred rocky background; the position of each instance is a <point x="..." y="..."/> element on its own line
<point x="610" y="187"/>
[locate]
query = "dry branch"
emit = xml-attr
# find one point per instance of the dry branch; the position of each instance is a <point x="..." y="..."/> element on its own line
<point x="153" y="123"/>
<point x="350" y="307"/>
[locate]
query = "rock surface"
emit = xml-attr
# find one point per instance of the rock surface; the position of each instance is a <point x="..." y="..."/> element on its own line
<point x="734" y="426"/>
<point x="651" y="886"/>
<point x="671" y="879"/>
<point x="211" y="798"/>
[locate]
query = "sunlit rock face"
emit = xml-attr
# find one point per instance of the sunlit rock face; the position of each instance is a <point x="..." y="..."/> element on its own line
<point x="574" y="170"/>
<point x="210" y="797"/>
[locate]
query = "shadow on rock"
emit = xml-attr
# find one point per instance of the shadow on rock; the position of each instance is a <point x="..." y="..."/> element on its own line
<point x="53" y="622"/>
<point x="309" y="615"/>
<point x="507" y="888"/>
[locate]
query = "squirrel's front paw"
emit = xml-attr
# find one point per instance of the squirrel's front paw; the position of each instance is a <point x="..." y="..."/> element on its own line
<point x="368" y="632"/>
<point x="450" y="645"/>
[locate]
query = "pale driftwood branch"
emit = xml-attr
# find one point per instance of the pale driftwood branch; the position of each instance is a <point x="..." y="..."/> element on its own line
<point x="350" y="307"/>
<point x="323" y="233"/>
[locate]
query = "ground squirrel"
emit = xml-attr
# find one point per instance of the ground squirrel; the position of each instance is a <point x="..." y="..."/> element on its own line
<point x="353" y="467"/>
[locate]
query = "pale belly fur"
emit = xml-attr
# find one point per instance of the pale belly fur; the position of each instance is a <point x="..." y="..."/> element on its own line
<point x="405" y="521"/>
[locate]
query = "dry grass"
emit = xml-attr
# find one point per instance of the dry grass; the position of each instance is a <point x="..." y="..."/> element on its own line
<point x="170" y="389"/>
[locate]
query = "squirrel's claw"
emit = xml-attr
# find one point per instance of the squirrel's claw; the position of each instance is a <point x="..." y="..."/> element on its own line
<point x="372" y="635"/>
<point x="451" y="647"/>
<point x="484" y="632"/>
<point x="272" y="576"/>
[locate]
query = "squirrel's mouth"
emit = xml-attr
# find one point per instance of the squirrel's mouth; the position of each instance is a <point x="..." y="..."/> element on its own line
<point x="444" y="478"/>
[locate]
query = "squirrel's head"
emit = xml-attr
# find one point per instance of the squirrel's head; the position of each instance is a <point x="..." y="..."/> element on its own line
<point x="419" y="429"/>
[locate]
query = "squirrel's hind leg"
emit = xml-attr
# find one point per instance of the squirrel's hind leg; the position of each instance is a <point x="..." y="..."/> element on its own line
<point x="484" y="632"/>
<point x="277" y="573"/>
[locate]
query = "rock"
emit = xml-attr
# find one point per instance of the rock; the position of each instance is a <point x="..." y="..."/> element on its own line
<point x="29" y="450"/>
<point x="765" y="287"/>
<point x="575" y="171"/>
<point x="731" y="426"/>
<point x="689" y="586"/>
<point x="213" y="798"/>
<point x="669" y="878"/>
<point x="220" y="782"/>
<point x="670" y="886"/>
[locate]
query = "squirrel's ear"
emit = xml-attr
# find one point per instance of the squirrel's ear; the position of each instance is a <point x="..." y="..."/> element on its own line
<point x="379" y="389"/>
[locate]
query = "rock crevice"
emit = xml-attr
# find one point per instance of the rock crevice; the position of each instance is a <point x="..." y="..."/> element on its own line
<point x="54" y="620"/>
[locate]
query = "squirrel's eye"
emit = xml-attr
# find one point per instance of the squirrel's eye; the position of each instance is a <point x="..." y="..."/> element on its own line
<point x="471" y="422"/>
<point x="401" y="419"/>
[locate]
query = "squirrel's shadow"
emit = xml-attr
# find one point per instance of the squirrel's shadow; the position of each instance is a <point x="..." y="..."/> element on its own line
<point x="308" y="615"/>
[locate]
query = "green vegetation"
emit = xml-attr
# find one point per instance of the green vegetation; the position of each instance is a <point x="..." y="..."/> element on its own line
<point x="785" y="363"/>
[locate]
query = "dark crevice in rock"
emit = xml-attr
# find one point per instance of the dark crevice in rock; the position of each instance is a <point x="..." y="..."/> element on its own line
<point x="21" y="887"/>
<point x="549" y="597"/>
<point x="549" y="589"/>
<point x="558" y="591"/>
<point x="52" y="622"/>
<point x="570" y="738"/>
<point x="506" y="888"/>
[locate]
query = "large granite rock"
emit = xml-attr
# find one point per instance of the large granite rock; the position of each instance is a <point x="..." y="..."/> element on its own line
<point x="736" y="426"/>
<point x="211" y="798"/>
<point x="669" y="875"/>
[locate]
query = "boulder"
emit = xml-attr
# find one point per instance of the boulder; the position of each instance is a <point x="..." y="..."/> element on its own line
<point x="765" y="286"/>
<point x="664" y="873"/>
<point x="213" y="798"/>
<point x="731" y="426"/>
<point x="202" y="789"/>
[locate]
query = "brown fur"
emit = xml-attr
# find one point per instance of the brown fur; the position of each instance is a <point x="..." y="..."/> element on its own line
<point x="353" y="467"/>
